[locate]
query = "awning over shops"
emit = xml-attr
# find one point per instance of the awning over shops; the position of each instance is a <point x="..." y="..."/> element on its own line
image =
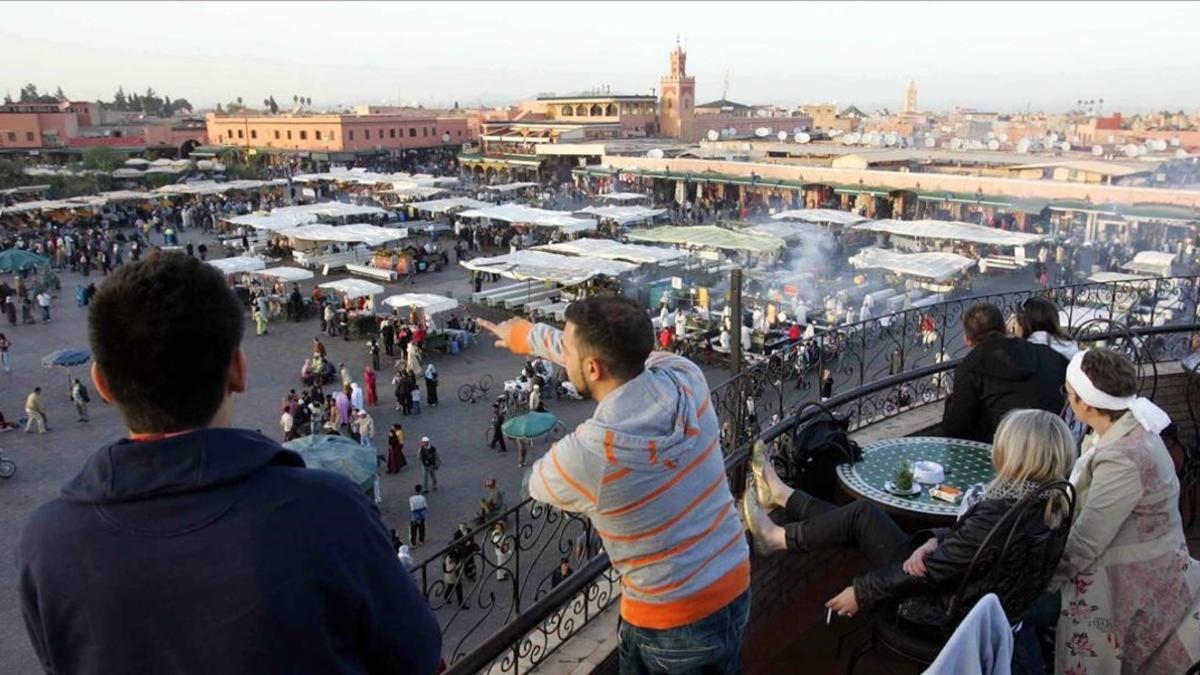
<point x="623" y="196"/>
<point x="272" y="221"/>
<point x="614" y="250"/>
<point x="1156" y="263"/>
<point x="208" y="187"/>
<point x="431" y="304"/>
<point x="541" y="266"/>
<point x="969" y="198"/>
<point x="348" y="234"/>
<point x="288" y="274"/>
<point x="1118" y="277"/>
<point x="709" y="236"/>
<point x="353" y="288"/>
<point x="832" y="216"/>
<point x="238" y="264"/>
<point x="936" y="266"/>
<point x="330" y="210"/>
<point x="788" y="231"/>
<point x="509" y="187"/>
<point x="449" y="205"/>
<point x="950" y="231"/>
<point x="623" y="215"/>
<point x="512" y="212"/>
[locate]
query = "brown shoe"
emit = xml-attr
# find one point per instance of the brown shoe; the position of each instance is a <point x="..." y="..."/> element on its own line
<point x="758" y="468"/>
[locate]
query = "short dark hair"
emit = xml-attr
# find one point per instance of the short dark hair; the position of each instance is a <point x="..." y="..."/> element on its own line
<point x="1112" y="373"/>
<point x="617" y="329"/>
<point x="1039" y="314"/>
<point x="982" y="318"/>
<point x="163" y="332"/>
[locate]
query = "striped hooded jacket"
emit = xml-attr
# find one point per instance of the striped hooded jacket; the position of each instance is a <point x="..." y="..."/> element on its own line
<point x="647" y="469"/>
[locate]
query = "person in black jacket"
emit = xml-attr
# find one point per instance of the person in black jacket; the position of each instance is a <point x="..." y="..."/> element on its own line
<point x="920" y="574"/>
<point x="191" y="546"/>
<point x="1000" y="374"/>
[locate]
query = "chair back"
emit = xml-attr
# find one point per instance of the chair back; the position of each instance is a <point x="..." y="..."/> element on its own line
<point x="1004" y="561"/>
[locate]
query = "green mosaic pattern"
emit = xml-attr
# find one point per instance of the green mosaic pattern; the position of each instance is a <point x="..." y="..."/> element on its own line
<point x="966" y="463"/>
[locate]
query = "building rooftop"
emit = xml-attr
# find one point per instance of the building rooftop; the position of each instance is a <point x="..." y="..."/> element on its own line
<point x="599" y="97"/>
<point x="724" y="103"/>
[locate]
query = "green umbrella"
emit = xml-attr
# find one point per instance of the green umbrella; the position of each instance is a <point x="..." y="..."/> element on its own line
<point x="338" y="454"/>
<point x="529" y="425"/>
<point x="15" y="260"/>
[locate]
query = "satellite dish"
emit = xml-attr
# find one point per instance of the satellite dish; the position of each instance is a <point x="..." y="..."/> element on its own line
<point x="1175" y="142"/>
<point x="993" y="145"/>
<point x="990" y="135"/>
<point x="956" y="143"/>
<point x="1066" y="147"/>
<point x="1098" y="150"/>
<point x="1023" y="146"/>
<point x="656" y="153"/>
<point x="802" y="137"/>
<point x="782" y="135"/>
<point x="797" y="130"/>
<point x="1141" y="150"/>
<point x="1053" y="138"/>
<point x="892" y="139"/>
<point x="1003" y="137"/>
<point x="1180" y="153"/>
<point x="930" y="141"/>
<point x="848" y="139"/>
<point x="877" y="141"/>
<point x="713" y="134"/>
<point x="762" y="132"/>
<point x="1160" y="144"/>
<point x="1131" y="151"/>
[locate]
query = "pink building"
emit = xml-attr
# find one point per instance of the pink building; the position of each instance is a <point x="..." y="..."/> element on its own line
<point x="338" y="133"/>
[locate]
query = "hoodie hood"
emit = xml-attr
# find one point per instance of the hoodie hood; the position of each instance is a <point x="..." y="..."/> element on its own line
<point x="128" y="471"/>
<point x="652" y="408"/>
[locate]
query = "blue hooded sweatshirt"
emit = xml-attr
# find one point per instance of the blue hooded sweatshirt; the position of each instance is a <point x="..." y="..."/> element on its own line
<point x="215" y="551"/>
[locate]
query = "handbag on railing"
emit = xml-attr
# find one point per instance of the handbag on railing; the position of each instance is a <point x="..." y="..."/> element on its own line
<point x="817" y="448"/>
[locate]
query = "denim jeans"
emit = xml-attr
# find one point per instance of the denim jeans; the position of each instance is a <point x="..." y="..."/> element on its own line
<point x="712" y="645"/>
<point x="862" y="525"/>
<point x="1038" y="620"/>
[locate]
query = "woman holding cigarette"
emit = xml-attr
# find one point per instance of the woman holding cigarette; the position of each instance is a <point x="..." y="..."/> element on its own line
<point x="920" y="574"/>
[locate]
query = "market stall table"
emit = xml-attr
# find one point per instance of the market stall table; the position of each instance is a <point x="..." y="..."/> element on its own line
<point x="965" y="463"/>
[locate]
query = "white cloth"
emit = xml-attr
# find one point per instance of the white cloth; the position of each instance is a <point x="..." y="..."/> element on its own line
<point x="981" y="645"/>
<point x="356" y="396"/>
<point x="1152" y="418"/>
<point x="1067" y="348"/>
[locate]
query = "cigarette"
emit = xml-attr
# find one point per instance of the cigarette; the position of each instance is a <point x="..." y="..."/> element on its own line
<point x="829" y="616"/>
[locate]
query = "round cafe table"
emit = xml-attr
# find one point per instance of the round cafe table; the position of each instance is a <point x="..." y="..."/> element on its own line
<point x="965" y="462"/>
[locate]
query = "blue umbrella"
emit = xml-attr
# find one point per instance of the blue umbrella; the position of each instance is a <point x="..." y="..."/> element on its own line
<point x="339" y="454"/>
<point x="529" y="425"/>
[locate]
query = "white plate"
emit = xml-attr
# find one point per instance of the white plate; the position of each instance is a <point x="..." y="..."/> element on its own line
<point x="890" y="486"/>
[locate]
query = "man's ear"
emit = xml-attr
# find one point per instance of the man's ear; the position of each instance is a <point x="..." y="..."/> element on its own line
<point x="236" y="375"/>
<point x="101" y="384"/>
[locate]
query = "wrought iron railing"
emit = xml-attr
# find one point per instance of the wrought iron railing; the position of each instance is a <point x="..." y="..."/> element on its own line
<point x="512" y="617"/>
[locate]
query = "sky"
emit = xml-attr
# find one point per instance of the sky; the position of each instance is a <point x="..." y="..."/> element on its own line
<point x="996" y="56"/>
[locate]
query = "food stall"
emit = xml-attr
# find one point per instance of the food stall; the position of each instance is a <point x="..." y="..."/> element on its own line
<point x="357" y="297"/>
<point x="936" y="271"/>
<point x="424" y="307"/>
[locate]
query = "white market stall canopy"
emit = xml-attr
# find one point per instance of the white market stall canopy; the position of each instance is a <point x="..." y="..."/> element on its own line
<point x="511" y="212"/>
<point x="1151" y="262"/>
<point x="509" y="187"/>
<point x="789" y="230"/>
<point x="624" y="196"/>
<point x="615" y="250"/>
<point x="238" y="264"/>
<point x="209" y="187"/>
<point x="1118" y="277"/>
<point x="286" y="273"/>
<point x="353" y="288"/>
<point x="330" y="210"/>
<point x="624" y="214"/>
<point x="273" y="221"/>
<point x="431" y="304"/>
<point x="446" y="205"/>
<point x="541" y="266"/>
<point x="709" y="236"/>
<point x="821" y="216"/>
<point x="936" y="266"/>
<point x="349" y="234"/>
<point x="418" y="191"/>
<point x="950" y="230"/>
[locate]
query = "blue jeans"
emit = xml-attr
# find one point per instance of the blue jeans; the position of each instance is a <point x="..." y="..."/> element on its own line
<point x="1040" y="618"/>
<point x="712" y="645"/>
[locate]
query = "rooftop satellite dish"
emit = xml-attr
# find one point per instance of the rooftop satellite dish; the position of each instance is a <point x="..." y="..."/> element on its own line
<point x="656" y="153"/>
<point x="993" y="145"/>
<point x="797" y="130"/>
<point x="990" y="135"/>
<point x="930" y="141"/>
<point x="848" y="139"/>
<point x="1023" y="146"/>
<point x="762" y="132"/>
<point x="1180" y="153"/>
<point x="892" y="139"/>
<point x="1141" y="150"/>
<point x="877" y="141"/>
<point x="1003" y="137"/>
<point x="1160" y="144"/>
<point x="1131" y="151"/>
<point x="803" y="137"/>
<point x="1098" y="150"/>
<point x="782" y="135"/>
<point x="1066" y="147"/>
<point x="713" y="134"/>
<point x="1174" y="142"/>
<point x="956" y="143"/>
<point x="1053" y="138"/>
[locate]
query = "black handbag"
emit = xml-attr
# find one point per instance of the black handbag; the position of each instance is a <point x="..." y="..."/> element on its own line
<point x="816" y="449"/>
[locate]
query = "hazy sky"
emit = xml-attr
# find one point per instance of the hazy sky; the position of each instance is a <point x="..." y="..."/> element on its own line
<point x="1135" y="55"/>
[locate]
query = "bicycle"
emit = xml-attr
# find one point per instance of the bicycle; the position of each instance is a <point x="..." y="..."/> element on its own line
<point x="470" y="393"/>
<point x="8" y="468"/>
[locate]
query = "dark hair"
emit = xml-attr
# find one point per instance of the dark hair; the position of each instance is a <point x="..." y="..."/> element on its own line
<point x="1112" y="373"/>
<point x="616" y="329"/>
<point x="163" y="332"/>
<point x="1039" y="314"/>
<point x="982" y="318"/>
<point x="417" y="488"/>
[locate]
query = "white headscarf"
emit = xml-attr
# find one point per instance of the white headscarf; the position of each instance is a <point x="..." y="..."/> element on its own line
<point x="1152" y="418"/>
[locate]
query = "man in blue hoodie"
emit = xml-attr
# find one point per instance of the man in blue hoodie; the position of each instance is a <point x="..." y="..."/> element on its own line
<point x="194" y="547"/>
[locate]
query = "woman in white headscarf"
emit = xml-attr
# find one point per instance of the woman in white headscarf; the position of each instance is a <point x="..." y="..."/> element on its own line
<point x="1130" y="590"/>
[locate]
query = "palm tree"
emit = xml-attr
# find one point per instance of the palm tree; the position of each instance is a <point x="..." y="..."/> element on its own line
<point x="308" y="101"/>
<point x="295" y="99"/>
<point x="239" y="100"/>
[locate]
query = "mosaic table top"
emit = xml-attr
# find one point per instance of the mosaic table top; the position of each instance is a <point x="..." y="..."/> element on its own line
<point x="965" y="462"/>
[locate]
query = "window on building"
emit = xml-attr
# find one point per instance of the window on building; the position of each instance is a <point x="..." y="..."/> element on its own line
<point x="567" y="111"/>
<point x="289" y="134"/>
<point x="318" y="134"/>
<point x="29" y="135"/>
<point x="333" y="135"/>
<point x="276" y="134"/>
<point x="350" y="134"/>
<point x="425" y="131"/>
<point x="303" y="135"/>
<point x="412" y="132"/>
<point x="254" y="133"/>
<point x="240" y="133"/>
<point x="12" y="137"/>
<point x="367" y="134"/>
<point x="391" y="133"/>
<point x="381" y="136"/>
<point x="460" y="133"/>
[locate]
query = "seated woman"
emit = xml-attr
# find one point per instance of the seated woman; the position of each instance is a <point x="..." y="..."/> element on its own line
<point x="1130" y="591"/>
<point x="1032" y="448"/>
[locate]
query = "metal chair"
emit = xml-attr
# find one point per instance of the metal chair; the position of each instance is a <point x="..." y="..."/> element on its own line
<point x="921" y="648"/>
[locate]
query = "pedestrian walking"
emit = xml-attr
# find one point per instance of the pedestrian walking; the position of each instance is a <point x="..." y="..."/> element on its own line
<point x="417" y="506"/>
<point x="43" y="301"/>
<point x="5" y="345"/>
<point x="366" y="428"/>
<point x="287" y="422"/>
<point x="431" y="383"/>
<point x="34" y="413"/>
<point x="498" y="422"/>
<point x="260" y="322"/>
<point x="395" y="456"/>
<point x="416" y="400"/>
<point x="430" y="463"/>
<point x="80" y="397"/>
<point x="369" y="388"/>
<point x="373" y="351"/>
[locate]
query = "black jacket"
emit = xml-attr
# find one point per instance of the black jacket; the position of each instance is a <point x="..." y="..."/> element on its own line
<point x="215" y="551"/>
<point x="1017" y="580"/>
<point x="1002" y="374"/>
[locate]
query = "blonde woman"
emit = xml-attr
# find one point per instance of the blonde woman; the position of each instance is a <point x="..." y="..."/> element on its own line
<point x="1032" y="448"/>
<point x="1130" y="590"/>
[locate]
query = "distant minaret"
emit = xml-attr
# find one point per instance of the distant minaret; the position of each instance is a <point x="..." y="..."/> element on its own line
<point x="910" y="97"/>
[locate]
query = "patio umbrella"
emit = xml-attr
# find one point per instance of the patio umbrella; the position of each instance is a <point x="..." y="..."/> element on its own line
<point x="67" y="359"/>
<point x="15" y="260"/>
<point x="339" y="454"/>
<point x="529" y="425"/>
